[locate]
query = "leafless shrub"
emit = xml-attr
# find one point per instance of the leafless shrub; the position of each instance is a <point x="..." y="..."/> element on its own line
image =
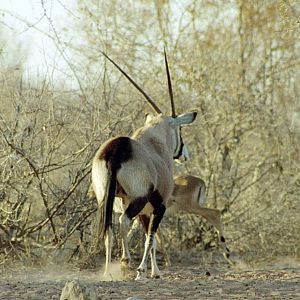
<point x="235" y="63"/>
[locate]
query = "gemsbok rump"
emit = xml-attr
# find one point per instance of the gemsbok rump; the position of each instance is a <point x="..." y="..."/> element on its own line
<point x="139" y="169"/>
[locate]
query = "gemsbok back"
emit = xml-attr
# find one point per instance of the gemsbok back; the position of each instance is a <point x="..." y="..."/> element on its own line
<point x="140" y="170"/>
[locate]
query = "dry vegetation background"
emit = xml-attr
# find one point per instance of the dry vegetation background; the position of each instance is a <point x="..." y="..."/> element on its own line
<point x="236" y="62"/>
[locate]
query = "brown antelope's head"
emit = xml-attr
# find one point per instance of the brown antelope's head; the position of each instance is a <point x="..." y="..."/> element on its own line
<point x="174" y="122"/>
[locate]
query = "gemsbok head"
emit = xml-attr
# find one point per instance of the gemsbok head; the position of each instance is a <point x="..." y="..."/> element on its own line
<point x="140" y="169"/>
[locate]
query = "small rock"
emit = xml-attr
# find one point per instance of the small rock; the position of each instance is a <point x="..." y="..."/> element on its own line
<point x="75" y="291"/>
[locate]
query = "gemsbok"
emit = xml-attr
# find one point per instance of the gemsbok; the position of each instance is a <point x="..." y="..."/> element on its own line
<point x="139" y="169"/>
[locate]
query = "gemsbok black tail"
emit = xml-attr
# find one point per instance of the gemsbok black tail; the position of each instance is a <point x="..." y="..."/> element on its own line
<point x="106" y="164"/>
<point x="104" y="184"/>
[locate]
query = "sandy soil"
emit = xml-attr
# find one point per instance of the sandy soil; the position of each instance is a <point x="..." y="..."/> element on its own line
<point x="183" y="280"/>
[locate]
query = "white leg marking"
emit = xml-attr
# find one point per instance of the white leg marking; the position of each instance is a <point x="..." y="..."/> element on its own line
<point x="108" y="247"/>
<point x="125" y="223"/>
<point x="142" y="269"/>
<point x="155" y="273"/>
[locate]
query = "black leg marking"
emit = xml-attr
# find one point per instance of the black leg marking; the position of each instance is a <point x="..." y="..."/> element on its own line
<point x="136" y="206"/>
<point x="155" y="199"/>
<point x="158" y="212"/>
<point x="222" y="239"/>
<point x="154" y="223"/>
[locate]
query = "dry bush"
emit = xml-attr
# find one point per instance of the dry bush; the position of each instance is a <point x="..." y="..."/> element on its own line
<point x="48" y="140"/>
<point x="235" y="63"/>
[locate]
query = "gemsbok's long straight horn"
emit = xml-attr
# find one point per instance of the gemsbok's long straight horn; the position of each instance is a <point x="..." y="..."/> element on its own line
<point x="170" y="86"/>
<point x="147" y="97"/>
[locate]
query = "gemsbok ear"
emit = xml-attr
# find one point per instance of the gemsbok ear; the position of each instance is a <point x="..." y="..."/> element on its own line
<point x="183" y="119"/>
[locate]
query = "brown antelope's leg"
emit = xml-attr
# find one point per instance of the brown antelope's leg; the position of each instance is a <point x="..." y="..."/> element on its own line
<point x="222" y="243"/>
<point x="158" y="212"/>
<point x="213" y="216"/>
<point x="108" y="246"/>
<point x="125" y="222"/>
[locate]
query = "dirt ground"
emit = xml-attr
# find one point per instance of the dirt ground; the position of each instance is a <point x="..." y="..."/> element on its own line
<point x="189" y="278"/>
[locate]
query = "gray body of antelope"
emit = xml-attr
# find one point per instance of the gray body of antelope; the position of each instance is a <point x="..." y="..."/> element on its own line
<point x="138" y="169"/>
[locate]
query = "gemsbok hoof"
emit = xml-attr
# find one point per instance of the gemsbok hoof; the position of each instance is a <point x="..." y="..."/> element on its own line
<point x="141" y="275"/>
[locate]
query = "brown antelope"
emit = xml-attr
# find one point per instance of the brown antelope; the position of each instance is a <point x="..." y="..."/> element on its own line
<point x="189" y="197"/>
<point x="140" y="170"/>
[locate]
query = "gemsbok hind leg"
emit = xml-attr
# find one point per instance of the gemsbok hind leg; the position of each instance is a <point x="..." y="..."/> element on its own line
<point x="125" y="224"/>
<point x="155" y="218"/>
<point x="108" y="247"/>
<point x="133" y="209"/>
<point x="155" y="273"/>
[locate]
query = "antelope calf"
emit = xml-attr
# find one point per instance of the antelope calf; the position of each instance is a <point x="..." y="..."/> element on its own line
<point x="140" y="170"/>
<point x="189" y="197"/>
